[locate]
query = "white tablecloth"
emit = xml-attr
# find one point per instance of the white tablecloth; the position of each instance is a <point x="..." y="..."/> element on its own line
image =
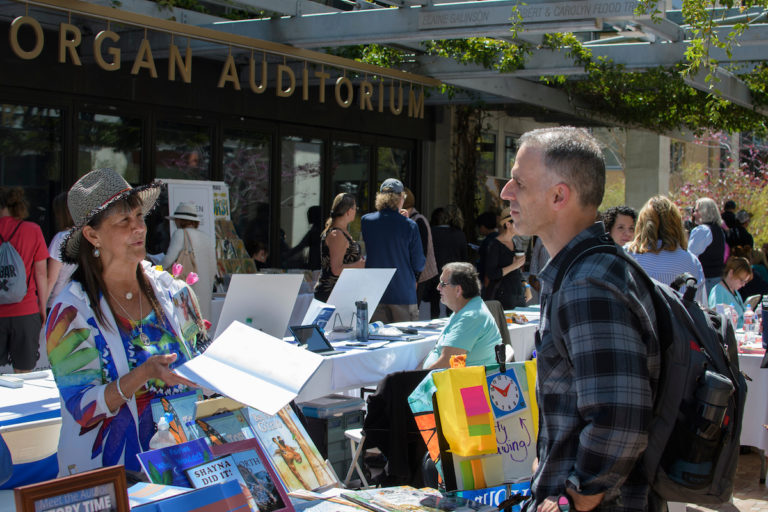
<point x="357" y="368"/>
<point x="522" y="337"/>
<point x="756" y="410"/>
<point x="37" y="399"/>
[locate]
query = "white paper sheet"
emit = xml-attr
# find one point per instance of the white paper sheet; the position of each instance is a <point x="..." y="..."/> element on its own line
<point x="267" y="299"/>
<point x="356" y="284"/>
<point x="252" y="367"/>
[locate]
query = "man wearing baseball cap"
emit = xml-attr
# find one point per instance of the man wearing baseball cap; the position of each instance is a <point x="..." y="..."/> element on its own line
<point x="393" y="241"/>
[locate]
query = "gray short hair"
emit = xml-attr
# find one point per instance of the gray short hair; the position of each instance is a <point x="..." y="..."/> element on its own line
<point x="574" y="155"/>
<point x="465" y="275"/>
<point x="708" y="211"/>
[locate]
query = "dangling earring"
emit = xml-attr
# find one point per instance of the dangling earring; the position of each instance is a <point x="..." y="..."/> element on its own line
<point x="96" y="252"/>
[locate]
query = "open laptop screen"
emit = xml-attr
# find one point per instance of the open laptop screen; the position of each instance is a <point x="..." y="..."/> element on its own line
<point x="312" y="337"/>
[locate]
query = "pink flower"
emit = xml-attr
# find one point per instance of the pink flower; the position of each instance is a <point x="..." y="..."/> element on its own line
<point x="192" y="278"/>
<point x="207" y="324"/>
<point x="176" y="269"/>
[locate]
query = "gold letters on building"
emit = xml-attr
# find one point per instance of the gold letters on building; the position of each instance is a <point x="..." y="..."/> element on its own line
<point x="107" y="57"/>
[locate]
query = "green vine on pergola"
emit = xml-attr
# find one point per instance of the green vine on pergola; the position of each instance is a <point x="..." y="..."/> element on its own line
<point x="657" y="99"/>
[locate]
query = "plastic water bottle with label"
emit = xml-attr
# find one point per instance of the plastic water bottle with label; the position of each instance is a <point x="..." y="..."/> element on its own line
<point x="749" y="320"/>
<point x="734" y="316"/>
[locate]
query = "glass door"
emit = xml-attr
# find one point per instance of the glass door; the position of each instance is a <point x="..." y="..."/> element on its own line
<point x="350" y="173"/>
<point x="301" y="219"/>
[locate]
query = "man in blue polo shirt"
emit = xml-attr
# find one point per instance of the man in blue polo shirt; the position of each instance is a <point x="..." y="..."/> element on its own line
<point x="393" y="241"/>
<point x="471" y="329"/>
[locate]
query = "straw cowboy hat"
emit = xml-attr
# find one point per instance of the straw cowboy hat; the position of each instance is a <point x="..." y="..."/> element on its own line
<point x="94" y="193"/>
<point x="185" y="211"/>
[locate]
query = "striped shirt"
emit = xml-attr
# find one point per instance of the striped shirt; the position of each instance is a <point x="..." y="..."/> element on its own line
<point x="595" y="405"/>
<point x="665" y="266"/>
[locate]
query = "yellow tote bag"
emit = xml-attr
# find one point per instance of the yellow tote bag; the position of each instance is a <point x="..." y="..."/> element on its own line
<point x="466" y="420"/>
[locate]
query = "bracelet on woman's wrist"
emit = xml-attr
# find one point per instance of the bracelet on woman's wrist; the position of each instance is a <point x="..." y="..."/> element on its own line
<point x="120" y="391"/>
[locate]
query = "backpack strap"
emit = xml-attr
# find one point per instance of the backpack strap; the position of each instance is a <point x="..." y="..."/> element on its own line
<point x="2" y="240"/>
<point x="603" y="244"/>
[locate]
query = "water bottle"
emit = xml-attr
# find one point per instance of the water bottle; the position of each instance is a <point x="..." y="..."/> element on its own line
<point x="375" y="327"/>
<point x="696" y="444"/>
<point x="163" y="436"/>
<point x="361" y="317"/>
<point x="749" y="320"/>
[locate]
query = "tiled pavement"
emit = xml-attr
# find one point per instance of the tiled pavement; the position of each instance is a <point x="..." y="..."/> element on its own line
<point x="749" y="495"/>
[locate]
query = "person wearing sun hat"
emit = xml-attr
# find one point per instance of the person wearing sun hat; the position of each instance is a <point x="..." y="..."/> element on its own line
<point x="117" y="331"/>
<point x="187" y="222"/>
<point x="393" y="241"/>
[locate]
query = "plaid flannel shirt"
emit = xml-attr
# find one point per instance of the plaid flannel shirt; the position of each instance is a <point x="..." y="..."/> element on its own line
<point x="595" y="404"/>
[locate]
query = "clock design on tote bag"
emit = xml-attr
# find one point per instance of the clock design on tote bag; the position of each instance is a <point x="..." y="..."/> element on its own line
<point x="505" y="394"/>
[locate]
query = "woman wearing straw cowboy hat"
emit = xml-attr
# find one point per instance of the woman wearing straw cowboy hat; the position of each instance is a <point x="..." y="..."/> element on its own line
<point x="187" y="222"/>
<point x="114" y="334"/>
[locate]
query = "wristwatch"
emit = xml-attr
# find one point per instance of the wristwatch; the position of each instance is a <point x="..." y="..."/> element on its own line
<point x="565" y="503"/>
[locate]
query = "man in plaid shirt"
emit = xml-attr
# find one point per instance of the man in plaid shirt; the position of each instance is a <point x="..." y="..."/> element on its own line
<point x="596" y="403"/>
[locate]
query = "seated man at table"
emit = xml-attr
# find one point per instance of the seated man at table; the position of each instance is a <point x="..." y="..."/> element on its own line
<point x="471" y="329"/>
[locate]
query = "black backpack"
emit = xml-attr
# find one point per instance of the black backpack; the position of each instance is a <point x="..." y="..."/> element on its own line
<point x="693" y="438"/>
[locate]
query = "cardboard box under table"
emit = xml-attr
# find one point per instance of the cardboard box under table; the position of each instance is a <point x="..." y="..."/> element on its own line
<point x="327" y="419"/>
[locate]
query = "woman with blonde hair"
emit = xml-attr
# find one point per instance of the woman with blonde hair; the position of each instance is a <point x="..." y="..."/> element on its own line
<point x="660" y="245"/>
<point x="337" y="248"/>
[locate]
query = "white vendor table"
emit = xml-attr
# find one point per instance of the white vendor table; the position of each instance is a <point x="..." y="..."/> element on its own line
<point x="358" y="368"/>
<point x="361" y="368"/>
<point x="30" y="421"/>
<point x="756" y="410"/>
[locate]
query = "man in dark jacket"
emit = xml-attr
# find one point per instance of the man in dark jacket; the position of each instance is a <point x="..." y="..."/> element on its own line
<point x="392" y="240"/>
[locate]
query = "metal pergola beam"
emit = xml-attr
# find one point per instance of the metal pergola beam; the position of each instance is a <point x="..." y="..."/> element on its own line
<point x="488" y="18"/>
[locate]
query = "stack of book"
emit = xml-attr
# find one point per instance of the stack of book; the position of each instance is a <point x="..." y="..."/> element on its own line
<point x="220" y="440"/>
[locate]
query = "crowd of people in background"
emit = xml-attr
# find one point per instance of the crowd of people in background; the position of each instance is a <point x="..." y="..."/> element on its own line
<point x="715" y="247"/>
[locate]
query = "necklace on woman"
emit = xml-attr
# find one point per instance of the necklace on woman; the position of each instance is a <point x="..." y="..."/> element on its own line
<point x="733" y="294"/>
<point x="142" y="337"/>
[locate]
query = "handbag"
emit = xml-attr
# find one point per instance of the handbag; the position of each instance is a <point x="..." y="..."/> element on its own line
<point x="465" y="410"/>
<point x="186" y="257"/>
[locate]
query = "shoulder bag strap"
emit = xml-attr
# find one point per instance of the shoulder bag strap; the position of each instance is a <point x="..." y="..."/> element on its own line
<point x="2" y="240"/>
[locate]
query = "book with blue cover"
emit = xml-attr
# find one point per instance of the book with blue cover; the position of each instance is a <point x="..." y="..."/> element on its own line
<point x="226" y="427"/>
<point x="166" y="466"/>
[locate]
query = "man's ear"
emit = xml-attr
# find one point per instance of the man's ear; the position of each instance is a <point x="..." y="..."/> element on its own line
<point x="561" y="195"/>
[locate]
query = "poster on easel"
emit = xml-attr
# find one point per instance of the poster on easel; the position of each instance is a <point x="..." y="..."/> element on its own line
<point x="212" y="201"/>
<point x="201" y="193"/>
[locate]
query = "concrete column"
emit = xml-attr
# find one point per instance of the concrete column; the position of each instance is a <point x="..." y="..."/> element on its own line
<point x="646" y="169"/>
<point x="436" y="178"/>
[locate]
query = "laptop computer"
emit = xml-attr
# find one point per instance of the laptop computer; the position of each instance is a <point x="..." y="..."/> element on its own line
<point x="311" y="337"/>
<point x="262" y="301"/>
